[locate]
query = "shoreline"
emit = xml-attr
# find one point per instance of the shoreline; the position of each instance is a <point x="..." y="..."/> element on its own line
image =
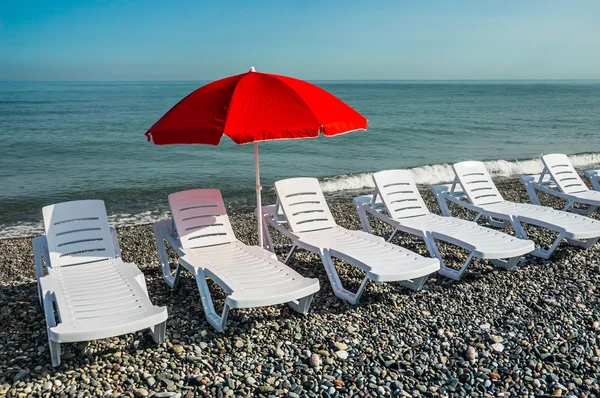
<point x="136" y="211"/>
<point x="533" y="330"/>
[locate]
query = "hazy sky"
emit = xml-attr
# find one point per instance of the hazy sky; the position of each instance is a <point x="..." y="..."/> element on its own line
<point x="395" y="39"/>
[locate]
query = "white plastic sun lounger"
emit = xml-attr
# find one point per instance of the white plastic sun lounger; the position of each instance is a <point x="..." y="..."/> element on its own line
<point x="311" y="227"/>
<point x="594" y="177"/>
<point x="397" y="202"/>
<point x="89" y="293"/>
<point x="474" y="189"/>
<point x="559" y="178"/>
<point x="201" y="234"/>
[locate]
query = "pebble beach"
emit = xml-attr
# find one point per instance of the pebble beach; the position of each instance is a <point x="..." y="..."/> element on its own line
<point x="532" y="331"/>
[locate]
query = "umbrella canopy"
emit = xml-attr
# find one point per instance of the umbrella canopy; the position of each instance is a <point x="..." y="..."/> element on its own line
<point x="253" y="107"/>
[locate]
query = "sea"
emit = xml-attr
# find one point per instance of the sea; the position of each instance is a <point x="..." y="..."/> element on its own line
<point x="62" y="141"/>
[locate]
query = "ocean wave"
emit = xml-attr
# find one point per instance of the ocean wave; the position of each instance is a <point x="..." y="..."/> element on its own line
<point x="442" y="173"/>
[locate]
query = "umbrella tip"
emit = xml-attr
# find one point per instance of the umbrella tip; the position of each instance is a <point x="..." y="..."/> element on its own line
<point x="252" y="69"/>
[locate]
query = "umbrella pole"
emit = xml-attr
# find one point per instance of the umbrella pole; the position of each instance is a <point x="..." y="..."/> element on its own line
<point x="258" y="196"/>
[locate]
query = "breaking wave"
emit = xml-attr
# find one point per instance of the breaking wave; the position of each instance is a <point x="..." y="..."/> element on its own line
<point x="442" y="173"/>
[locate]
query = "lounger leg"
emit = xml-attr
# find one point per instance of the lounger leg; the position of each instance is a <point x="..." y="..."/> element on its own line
<point x="48" y="303"/>
<point x="267" y="234"/>
<point x="538" y="252"/>
<point x="415" y="284"/>
<point x="218" y="322"/>
<point x="545" y="254"/>
<point x="158" y="332"/>
<point x="509" y="263"/>
<point x="40" y="254"/>
<point x="584" y="244"/>
<point x="586" y="212"/>
<point x="452" y="273"/>
<point x="301" y="305"/>
<point x="444" y="269"/>
<point x="498" y="223"/>
<point x="364" y="219"/>
<point x="532" y="194"/>
<point x="492" y="221"/>
<point x="159" y="234"/>
<point x="443" y="204"/>
<point x="336" y="283"/>
<point x="54" y="352"/>
<point x="392" y="235"/>
<point x="516" y="224"/>
<point x="568" y="206"/>
<point x="290" y="254"/>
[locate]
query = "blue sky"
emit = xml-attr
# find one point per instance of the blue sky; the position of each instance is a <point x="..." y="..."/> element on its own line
<point x="395" y="39"/>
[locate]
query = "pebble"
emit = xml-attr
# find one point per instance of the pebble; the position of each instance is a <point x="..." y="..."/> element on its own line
<point x="341" y="346"/>
<point x="471" y="353"/>
<point x="496" y="339"/>
<point x="497" y="347"/>
<point x="315" y="360"/>
<point x="436" y="342"/>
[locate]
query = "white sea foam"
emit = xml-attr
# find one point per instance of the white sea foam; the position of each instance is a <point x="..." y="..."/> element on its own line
<point x="33" y="228"/>
<point x="442" y="173"/>
<point x="424" y="175"/>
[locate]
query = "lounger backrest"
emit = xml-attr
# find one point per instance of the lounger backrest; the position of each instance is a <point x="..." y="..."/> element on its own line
<point x="399" y="193"/>
<point x="200" y="218"/>
<point x="477" y="183"/>
<point x="563" y="173"/>
<point x="303" y="204"/>
<point x="77" y="233"/>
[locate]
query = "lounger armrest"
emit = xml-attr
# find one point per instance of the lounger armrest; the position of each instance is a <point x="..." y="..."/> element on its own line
<point x="277" y="221"/>
<point x="462" y="201"/>
<point x="367" y="202"/>
<point x="535" y="180"/>
<point x="41" y="256"/>
<point x="594" y="177"/>
<point x="164" y="230"/>
<point x="529" y="179"/>
<point x="592" y="173"/>
<point x="442" y="189"/>
<point x="444" y="193"/>
<point x="548" y="187"/>
<point x="378" y="211"/>
<point x="48" y="289"/>
<point x="115" y="238"/>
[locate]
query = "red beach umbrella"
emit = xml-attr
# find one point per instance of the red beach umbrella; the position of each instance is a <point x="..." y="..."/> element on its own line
<point x="253" y="107"/>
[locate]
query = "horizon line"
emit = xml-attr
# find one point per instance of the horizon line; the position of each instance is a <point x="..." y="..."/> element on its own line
<point x="313" y="80"/>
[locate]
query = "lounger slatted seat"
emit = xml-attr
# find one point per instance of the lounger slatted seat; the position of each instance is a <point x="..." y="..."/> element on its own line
<point x="95" y="293"/>
<point x="397" y="202"/>
<point x="302" y="214"/>
<point x="474" y="189"/>
<point x="201" y="234"/>
<point x="559" y="178"/>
